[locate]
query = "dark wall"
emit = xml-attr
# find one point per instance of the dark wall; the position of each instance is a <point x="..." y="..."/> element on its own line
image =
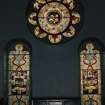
<point x="55" y="68"/>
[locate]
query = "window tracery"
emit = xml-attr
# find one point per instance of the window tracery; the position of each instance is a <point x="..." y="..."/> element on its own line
<point x="54" y="19"/>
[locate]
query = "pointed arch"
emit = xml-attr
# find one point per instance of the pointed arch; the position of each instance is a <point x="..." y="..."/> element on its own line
<point x="91" y="53"/>
<point x="18" y="68"/>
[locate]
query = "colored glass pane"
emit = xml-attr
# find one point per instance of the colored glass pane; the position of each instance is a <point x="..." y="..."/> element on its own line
<point x="18" y="76"/>
<point x="54" y="19"/>
<point x="90" y="65"/>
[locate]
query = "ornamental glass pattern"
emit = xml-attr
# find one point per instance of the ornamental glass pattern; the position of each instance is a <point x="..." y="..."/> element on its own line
<point x="18" y="76"/>
<point x="90" y="65"/>
<point x="54" y="20"/>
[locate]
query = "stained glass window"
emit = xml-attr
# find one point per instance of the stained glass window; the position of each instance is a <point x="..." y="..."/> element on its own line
<point x="90" y="65"/>
<point x="18" y="75"/>
<point x="54" y="20"/>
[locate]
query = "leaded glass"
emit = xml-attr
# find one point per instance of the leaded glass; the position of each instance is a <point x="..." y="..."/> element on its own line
<point x="54" y="19"/>
<point x="18" y="76"/>
<point x="90" y="65"/>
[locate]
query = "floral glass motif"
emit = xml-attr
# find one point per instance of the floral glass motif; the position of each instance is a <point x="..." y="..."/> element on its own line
<point x="90" y="75"/>
<point x="18" y="76"/>
<point x="54" y="19"/>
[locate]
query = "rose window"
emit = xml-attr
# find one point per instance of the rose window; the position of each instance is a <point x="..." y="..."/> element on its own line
<point x="54" y="20"/>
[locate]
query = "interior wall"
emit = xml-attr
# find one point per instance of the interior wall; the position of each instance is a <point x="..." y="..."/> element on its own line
<point x="55" y="68"/>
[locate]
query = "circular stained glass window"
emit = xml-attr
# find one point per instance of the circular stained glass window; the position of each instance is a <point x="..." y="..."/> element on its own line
<point x="54" y="21"/>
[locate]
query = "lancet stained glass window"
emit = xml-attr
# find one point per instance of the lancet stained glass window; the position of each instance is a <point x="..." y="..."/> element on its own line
<point x="54" y="20"/>
<point x="90" y="65"/>
<point x="18" y="75"/>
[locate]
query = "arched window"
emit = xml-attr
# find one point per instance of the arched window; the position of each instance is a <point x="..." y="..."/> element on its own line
<point x="18" y="66"/>
<point x="90" y="67"/>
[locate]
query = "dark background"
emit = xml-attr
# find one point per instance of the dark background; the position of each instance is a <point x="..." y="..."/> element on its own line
<point x="55" y="68"/>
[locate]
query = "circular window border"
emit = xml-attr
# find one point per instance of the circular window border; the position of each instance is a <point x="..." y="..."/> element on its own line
<point x="78" y="7"/>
